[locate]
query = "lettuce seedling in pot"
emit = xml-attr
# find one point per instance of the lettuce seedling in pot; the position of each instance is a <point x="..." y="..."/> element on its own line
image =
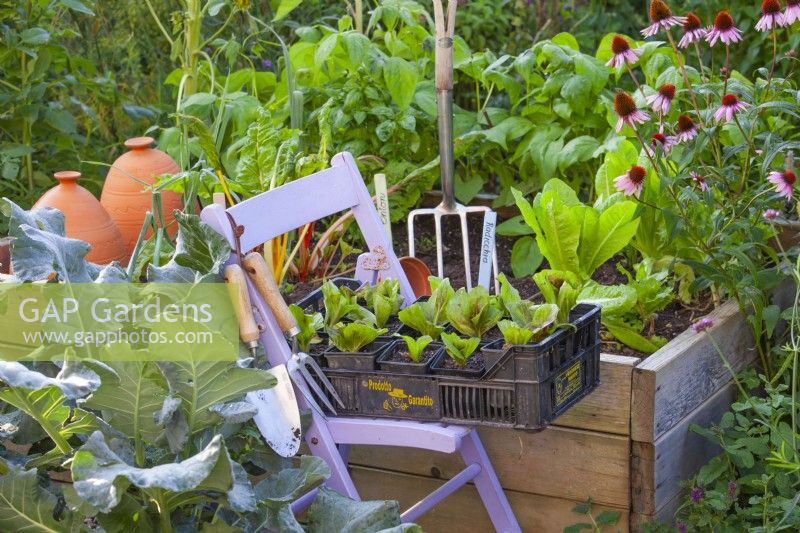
<point x="429" y="317"/>
<point x="459" y="349"/>
<point x="384" y="299"/>
<point x="352" y="337"/>
<point x="416" y="347"/>
<point x="529" y="322"/>
<point x="474" y="312"/>
<point x="341" y="303"/>
<point x="309" y="326"/>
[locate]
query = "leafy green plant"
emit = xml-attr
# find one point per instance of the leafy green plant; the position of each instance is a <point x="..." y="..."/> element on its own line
<point x="474" y="312"/>
<point x="353" y="336"/>
<point x="560" y="289"/>
<point x="514" y="334"/>
<point x="575" y="237"/>
<point x="384" y="299"/>
<point x="430" y="316"/>
<point x="603" y="521"/>
<point x="146" y="445"/>
<point x="416" y="346"/>
<point x="341" y="303"/>
<point x="458" y="348"/>
<point x="309" y="324"/>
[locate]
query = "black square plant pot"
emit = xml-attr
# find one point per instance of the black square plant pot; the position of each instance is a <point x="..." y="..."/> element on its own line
<point x="363" y="360"/>
<point x="407" y="367"/>
<point x="488" y="351"/>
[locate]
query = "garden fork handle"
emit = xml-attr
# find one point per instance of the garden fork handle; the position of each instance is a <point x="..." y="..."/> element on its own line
<point x="444" y="97"/>
<point x="262" y="277"/>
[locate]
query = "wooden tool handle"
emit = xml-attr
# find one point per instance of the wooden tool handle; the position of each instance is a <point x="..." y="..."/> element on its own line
<point x="261" y="274"/>
<point x="444" y="23"/>
<point x="248" y="330"/>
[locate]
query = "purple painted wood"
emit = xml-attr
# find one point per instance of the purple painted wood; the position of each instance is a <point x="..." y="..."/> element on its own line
<point x="436" y="497"/>
<point x="290" y="206"/>
<point x="429" y="436"/>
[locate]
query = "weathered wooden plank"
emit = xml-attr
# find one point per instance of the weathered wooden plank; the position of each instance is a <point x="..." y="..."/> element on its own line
<point x="607" y="408"/>
<point x="672" y="382"/>
<point x="559" y="462"/>
<point x="665" y="515"/>
<point x="464" y="511"/>
<point x="657" y="470"/>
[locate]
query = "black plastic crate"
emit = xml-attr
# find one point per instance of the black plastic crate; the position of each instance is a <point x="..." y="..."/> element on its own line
<point x="524" y="387"/>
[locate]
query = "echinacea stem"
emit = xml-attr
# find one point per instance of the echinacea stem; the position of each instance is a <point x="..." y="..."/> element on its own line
<point x="774" y="59"/>
<point x="700" y="61"/>
<point x="727" y="67"/>
<point x="635" y="81"/>
<point x="750" y="150"/>
<point x="685" y="75"/>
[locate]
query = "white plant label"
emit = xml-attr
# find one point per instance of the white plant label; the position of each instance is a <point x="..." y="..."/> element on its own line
<point x="382" y="201"/>
<point x="487" y="248"/>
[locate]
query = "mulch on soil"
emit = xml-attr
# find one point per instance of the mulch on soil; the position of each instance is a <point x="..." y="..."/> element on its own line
<point x="669" y="323"/>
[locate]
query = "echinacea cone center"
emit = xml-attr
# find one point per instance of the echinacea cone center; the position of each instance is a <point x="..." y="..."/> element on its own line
<point x="619" y="45"/>
<point x="659" y="11"/>
<point x="636" y="174"/>
<point x="693" y="22"/>
<point x="723" y="21"/>
<point x="624" y="104"/>
<point x="770" y="7"/>
<point x="729" y="100"/>
<point x="685" y="123"/>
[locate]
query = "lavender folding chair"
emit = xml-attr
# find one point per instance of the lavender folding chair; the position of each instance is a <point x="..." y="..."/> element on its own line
<point x="288" y="207"/>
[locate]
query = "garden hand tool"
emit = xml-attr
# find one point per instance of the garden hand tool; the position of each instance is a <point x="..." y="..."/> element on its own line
<point x="444" y="102"/>
<point x="300" y="363"/>
<point x="248" y="330"/>
<point x="278" y="416"/>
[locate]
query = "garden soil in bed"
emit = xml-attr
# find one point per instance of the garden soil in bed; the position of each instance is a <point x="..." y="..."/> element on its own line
<point x="669" y="322"/>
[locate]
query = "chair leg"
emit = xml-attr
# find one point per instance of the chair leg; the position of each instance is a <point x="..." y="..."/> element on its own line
<point x="322" y="444"/>
<point x="489" y="489"/>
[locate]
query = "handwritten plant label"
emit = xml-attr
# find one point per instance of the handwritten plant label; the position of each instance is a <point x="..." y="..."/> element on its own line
<point x="487" y="248"/>
<point x="383" y="204"/>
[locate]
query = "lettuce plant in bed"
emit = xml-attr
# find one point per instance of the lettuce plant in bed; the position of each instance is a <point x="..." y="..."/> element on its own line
<point x="530" y="322"/>
<point x="429" y="317"/>
<point x="384" y="299"/>
<point x="459" y="349"/>
<point x="352" y="337"/>
<point x="309" y="325"/>
<point x="474" y="312"/>
<point x="341" y="303"/>
<point x="416" y="347"/>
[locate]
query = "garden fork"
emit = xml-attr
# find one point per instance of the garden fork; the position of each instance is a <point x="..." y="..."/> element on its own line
<point x="300" y="365"/>
<point x="444" y="102"/>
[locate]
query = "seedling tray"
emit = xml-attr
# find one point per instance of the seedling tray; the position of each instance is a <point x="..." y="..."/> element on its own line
<point x="525" y="387"/>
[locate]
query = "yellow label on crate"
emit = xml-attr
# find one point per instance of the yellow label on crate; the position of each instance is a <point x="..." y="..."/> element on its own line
<point x="396" y="399"/>
<point x="567" y="383"/>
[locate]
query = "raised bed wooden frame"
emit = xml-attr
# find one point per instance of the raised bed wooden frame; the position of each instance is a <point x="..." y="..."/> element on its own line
<point x="627" y="445"/>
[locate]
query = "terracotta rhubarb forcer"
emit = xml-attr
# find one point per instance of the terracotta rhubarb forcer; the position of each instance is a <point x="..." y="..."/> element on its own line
<point x="124" y="193"/>
<point x="84" y="218"/>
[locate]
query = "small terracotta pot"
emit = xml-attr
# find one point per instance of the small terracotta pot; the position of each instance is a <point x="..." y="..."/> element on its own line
<point x="124" y="195"/>
<point x="417" y="273"/>
<point x="84" y="218"/>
